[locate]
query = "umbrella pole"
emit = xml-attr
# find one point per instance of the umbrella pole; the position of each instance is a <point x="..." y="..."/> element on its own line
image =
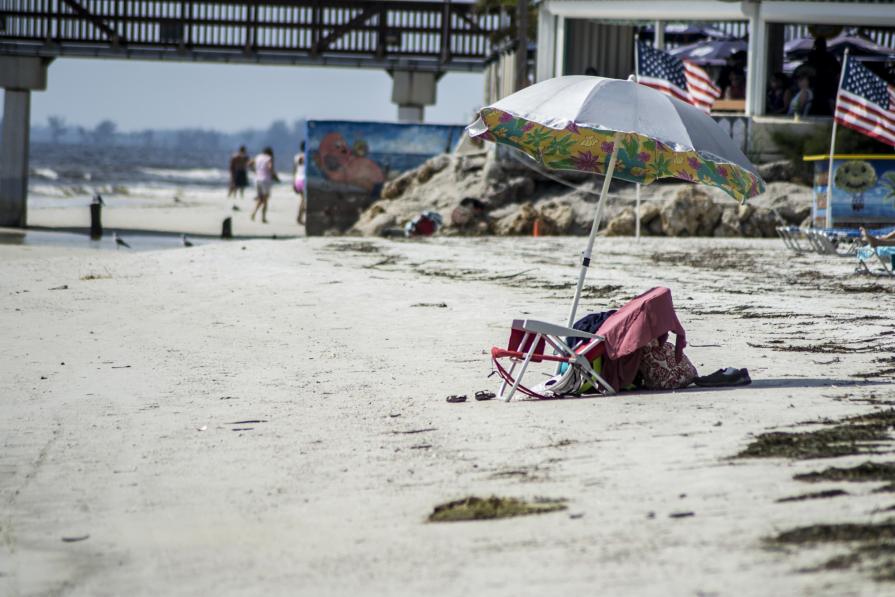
<point x="637" y="214"/>
<point x="598" y="215"/>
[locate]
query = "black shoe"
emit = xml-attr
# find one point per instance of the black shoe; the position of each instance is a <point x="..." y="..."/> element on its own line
<point x="724" y="378"/>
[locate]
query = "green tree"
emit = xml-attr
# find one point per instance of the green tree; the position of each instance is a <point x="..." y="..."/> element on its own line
<point x="507" y="8"/>
<point x="57" y="127"/>
<point x="104" y="133"/>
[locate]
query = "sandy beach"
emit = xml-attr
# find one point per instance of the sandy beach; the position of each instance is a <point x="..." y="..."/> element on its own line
<point x="269" y="417"/>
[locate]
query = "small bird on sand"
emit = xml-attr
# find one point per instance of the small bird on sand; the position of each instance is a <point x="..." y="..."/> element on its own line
<point x="119" y="242"/>
<point x="186" y="241"/>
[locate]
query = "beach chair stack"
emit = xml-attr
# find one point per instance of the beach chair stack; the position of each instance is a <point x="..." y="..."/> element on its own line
<point x="842" y="242"/>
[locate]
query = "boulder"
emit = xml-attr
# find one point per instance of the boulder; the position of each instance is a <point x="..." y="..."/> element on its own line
<point x="691" y="212"/>
<point x="432" y="167"/>
<point x="624" y="224"/>
<point x="758" y="222"/>
<point x="650" y="219"/>
<point x="779" y="171"/>
<point x="374" y="220"/>
<point x="521" y="222"/>
<point x="520" y="188"/>
<point x="648" y="213"/>
<point x="396" y="187"/>
<point x="792" y="202"/>
<point x="494" y="172"/>
<point x="729" y="224"/>
<point x="561" y="214"/>
<point x="470" y="164"/>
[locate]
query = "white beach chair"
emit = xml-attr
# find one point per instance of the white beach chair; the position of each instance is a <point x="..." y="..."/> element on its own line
<point x="529" y="342"/>
<point x="885" y="256"/>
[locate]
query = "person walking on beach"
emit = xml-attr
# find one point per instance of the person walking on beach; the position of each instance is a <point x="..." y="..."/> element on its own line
<point x="239" y="177"/>
<point x="265" y="176"/>
<point x="298" y="175"/>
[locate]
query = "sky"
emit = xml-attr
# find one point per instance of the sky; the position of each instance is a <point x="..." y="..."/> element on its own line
<point x="227" y="97"/>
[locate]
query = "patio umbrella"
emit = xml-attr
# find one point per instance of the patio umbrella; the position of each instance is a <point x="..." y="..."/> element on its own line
<point x="684" y="33"/>
<point x="616" y="128"/>
<point x="710" y="53"/>
<point x="798" y="49"/>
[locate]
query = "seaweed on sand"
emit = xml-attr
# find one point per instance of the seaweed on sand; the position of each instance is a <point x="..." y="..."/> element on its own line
<point x="361" y="246"/>
<point x="867" y="471"/>
<point x="869" y="543"/>
<point x="817" y="495"/>
<point x="476" y="508"/>
<point x="862" y="434"/>
<point x="724" y="259"/>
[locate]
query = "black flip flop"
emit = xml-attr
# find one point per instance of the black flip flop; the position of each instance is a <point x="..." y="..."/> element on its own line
<point x="482" y="395"/>
<point x="455" y="398"/>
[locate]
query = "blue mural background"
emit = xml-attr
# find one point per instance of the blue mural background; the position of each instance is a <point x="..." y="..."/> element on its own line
<point x="874" y="206"/>
<point x="348" y="162"/>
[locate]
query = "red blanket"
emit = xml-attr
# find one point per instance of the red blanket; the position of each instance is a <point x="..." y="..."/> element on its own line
<point x="648" y="317"/>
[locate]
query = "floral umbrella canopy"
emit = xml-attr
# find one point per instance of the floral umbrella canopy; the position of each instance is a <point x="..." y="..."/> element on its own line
<point x="617" y="128"/>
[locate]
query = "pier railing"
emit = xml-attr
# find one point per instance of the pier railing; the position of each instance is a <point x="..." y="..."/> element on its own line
<point x="431" y="35"/>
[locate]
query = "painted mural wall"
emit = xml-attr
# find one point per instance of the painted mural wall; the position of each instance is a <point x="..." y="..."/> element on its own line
<point x="347" y="163"/>
<point x="863" y="190"/>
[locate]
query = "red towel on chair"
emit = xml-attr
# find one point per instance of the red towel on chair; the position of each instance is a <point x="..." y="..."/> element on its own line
<point x="648" y="317"/>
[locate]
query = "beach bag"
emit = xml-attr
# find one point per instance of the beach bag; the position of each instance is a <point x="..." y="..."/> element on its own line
<point x="660" y="369"/>
<point x="569" y="381"/>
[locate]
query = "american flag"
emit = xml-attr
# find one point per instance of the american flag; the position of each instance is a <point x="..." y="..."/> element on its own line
<point x="866" y="103"/>
<point x="681" y="79"/>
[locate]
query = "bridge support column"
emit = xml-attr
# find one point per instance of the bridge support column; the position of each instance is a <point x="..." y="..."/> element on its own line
<point x="413" y="91"/>
<point x="18" y="77"/>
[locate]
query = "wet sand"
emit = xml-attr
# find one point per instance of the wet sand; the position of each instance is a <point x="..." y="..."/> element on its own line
<point x="179" y="211"/>
<point x="269" y="417"/>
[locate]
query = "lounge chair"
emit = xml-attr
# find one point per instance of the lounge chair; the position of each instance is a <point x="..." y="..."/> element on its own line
<point x="791" y="235"/>
<point x="837" y="241"/>
<point x="833" y="241"/>
<point x="885" y="255"/>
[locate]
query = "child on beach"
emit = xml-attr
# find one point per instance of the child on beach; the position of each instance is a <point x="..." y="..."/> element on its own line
<point x="265" y="176"/>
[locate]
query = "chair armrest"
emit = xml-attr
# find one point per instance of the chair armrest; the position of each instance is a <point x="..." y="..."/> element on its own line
<point x="542" y="327"/>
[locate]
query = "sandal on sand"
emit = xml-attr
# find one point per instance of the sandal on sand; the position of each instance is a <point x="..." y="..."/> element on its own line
<point x="724" y="378"/>
<point x="454" y="398"/>
<point x="484" y="395"/>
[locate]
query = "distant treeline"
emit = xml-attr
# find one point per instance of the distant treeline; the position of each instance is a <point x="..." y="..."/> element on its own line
<point x="282" y="137"/>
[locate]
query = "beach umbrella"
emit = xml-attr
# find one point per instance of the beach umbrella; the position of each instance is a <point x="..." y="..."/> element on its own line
<point x="617" y="129"/>
<point x="710" y="53"/>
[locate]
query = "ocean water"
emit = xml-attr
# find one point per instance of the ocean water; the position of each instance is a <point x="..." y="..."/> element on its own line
<point x="69" y="175"/>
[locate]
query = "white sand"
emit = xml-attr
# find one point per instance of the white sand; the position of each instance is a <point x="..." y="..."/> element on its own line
<point x="132" y="440"/>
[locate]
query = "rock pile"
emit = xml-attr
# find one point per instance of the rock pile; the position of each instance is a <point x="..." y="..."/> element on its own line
<point x="515" y="200"/>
